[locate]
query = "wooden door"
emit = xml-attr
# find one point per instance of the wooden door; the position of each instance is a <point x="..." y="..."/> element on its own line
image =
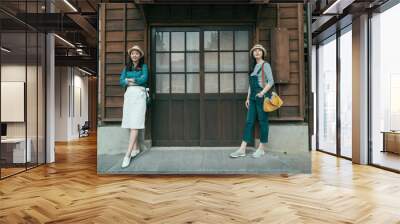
<point x="199" y="84"/>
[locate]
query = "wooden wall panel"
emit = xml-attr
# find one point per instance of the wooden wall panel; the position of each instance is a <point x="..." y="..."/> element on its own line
<point x="115" y="36"/>
<point x="92" y="90"/>
<point x="113" y="68"/>
<point x="288" y="23"/>
<point x="114" y="91"/>
<point x="135" y="25"/>
<point x="288" y="12"/>
<point x="115" y="14"/>
<point x="294" y="77"/>
<point x="288" y="112"/>
<point x="289" y="90"/>
<point x="114" y="58"/>
<point x="112" y="80"/>
<point x="124" y="26"/>
<point x="114" y="101"/>
<point x="113" y="113"/>
<point x="200" y="13"/>
<point x="134" y="36"/>
<point x="289" y="16"/>
<point x="133" y="14"/>
<point x="114" y="25"/>
<point x="117" y="47"/>
<point x="280" y="54"/>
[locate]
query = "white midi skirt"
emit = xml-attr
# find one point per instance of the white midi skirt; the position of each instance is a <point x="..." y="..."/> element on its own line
<point x="134" y="110"/>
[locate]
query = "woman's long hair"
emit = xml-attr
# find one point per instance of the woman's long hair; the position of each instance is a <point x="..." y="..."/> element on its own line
<point x="254" y="62"/>
<point x="129" y="65"/>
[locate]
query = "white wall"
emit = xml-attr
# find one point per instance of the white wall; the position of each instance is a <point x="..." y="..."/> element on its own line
<point x="71" y="87"/>
<point x="61" y="103"/>
<point x="80" y="84"/>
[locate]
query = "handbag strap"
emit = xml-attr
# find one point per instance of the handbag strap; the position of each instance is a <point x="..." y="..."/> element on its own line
<point x="272" y="88"/>
<point x="262" y="74"/>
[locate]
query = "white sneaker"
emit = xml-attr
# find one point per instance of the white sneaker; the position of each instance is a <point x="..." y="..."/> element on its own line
<point x="258" y="153"/>
<point x="126" y="161"/>
<point x="238" y="153"/>
<point x="134" y="153"/>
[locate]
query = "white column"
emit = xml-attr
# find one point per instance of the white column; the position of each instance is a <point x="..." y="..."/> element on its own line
<point x="50" y="93"/>
<point x="360" y="90"/>
<point x="50" y="81"/>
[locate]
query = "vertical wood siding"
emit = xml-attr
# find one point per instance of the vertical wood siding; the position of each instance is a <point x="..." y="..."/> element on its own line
<point x="289" y="16"/>
<point x="124" y="25"/>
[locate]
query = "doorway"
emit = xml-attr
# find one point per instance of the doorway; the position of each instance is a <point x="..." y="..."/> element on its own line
<point x="199" y="84"/>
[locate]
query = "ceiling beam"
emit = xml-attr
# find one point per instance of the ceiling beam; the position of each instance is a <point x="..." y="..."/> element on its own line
<point x="89" y="30"/>
<point x="81" y="21"/>
<point x="82" y="61"/>
<point x="337" y="7"/>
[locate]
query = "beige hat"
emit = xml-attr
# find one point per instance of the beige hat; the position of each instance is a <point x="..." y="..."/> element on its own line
<point x="258" y="46"/>
<point x="137" y="48"/>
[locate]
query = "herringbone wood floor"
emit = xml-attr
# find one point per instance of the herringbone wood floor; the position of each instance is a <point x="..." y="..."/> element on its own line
<point x="70" y="191"/>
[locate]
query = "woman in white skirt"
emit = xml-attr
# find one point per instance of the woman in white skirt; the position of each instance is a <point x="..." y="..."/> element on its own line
<point x="134" y="78"/>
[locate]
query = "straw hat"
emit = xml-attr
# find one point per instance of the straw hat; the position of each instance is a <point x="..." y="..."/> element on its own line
<point x="258" y="46"/>
<point x="137" y="48"/>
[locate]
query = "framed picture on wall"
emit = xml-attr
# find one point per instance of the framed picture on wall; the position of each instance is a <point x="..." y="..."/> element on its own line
<point x="12" y="101"/>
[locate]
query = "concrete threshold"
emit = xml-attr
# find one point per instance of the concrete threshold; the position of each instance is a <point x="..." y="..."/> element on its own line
<point x="194" y="148"/>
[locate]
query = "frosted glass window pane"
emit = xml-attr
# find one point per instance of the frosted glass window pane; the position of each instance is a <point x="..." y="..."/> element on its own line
<point x="211" y="62"/>
<point x="178" y="83"/>
<point x="211" y="40"/>
<point x="178" y="41"/>
<point x="226" y="82"/>
<point x="226" y="63"/>
<point x="162" y="83"/>
<point x="242" y="82"/>
<point x="242" y="61"/>
<point x="192" y="62"/>
<point x="162" y="41"/>
<point x="192" y="41"/>
<point x="193" y="83"/>
<point x="162" y="62"/>
<point x="178" y="62"/>
<point x="241" y="40"/>
<point x="226" y="40"/>
<point x="211" y="83"/>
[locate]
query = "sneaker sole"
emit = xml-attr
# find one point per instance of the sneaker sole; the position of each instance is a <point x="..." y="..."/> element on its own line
<point x="243" y="155"/>
<point x="126" y="165"/>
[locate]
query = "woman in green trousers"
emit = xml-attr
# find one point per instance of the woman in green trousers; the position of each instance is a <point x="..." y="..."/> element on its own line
<point x="254" y="103"/>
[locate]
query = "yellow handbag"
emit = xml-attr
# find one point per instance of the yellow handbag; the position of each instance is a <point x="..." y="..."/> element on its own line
<point x="273" y="102"/>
